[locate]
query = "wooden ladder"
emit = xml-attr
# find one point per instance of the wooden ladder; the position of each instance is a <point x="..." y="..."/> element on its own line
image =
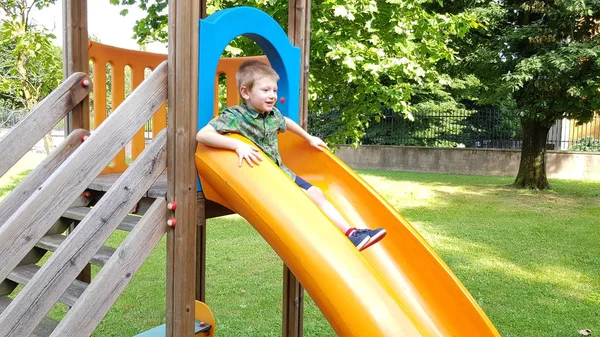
<point x="36" y="214"/>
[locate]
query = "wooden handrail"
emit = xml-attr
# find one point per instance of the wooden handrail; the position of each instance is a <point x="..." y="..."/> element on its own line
<point x="42" y="119"/>
<point x="44" y="289"/>
<point x="35" y="217"/>
<point x="96" y="300"/>
<point x="25" y="189"/>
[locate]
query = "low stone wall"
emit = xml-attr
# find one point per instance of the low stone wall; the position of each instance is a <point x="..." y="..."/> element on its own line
<point x="490" y="162"/>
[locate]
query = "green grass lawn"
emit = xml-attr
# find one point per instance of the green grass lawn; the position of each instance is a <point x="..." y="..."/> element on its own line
<point x="531" y="259"/>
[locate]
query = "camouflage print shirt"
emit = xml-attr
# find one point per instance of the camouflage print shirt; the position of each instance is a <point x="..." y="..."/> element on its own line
<point x="262" y="129"/>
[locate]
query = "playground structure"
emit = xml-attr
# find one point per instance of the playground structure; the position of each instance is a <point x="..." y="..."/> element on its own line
<point x="409" y="290"/>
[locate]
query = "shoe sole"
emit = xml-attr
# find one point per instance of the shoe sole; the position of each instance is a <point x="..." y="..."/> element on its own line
<point x="374" y="239"/>
<point x="364" y="244"/>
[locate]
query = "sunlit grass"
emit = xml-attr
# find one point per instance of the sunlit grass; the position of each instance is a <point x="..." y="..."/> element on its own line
<point x="529" y="258"/>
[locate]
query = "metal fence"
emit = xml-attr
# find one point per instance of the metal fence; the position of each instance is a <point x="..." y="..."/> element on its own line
<point x="10" y="118"/>
<point x="484" y="128"/>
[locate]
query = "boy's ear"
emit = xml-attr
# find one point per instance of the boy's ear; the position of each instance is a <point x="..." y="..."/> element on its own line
<point x="244" y="92"/>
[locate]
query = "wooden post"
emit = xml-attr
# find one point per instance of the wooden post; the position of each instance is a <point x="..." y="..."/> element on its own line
<point x="182" y="127"/>
<point x="201" y="226"/>
<point x="201" y="250"/>
<point x="299" y="34"/>
<point x="75" y="56"/>
<point x="293" y="305"/>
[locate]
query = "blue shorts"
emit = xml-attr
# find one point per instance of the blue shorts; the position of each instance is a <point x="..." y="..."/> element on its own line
<point x="305" y="185"/>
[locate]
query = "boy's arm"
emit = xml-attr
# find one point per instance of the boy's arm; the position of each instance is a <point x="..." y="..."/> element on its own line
<point x="210" y="137"/>
<point x="314" y="141"/>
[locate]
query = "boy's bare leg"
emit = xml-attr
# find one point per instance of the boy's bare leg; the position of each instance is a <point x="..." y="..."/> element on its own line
<point x="334" y="215"/>
<point x="361" y="238"/>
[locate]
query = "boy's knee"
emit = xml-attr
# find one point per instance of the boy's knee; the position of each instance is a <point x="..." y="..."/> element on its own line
<point x="315" y="194"/>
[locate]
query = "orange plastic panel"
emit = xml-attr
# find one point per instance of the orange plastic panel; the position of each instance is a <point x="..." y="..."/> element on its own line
<point x="118" y="58"/>
<point x="398" y="287"/>
<point x="203" y="314"/>
<point x="139" y="61"/>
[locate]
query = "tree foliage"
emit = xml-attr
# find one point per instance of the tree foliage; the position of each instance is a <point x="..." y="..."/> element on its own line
<point x="30" y="65"/>
<point x="542" y="55"/>
<point x="365" y="55"/>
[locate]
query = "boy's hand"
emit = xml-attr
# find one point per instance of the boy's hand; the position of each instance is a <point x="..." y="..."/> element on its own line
<point x="248" y="153"/>
<point x="318" y="143"/>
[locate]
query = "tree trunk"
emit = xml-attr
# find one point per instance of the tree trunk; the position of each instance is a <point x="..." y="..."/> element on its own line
<point x="48" y="143"/>
<point x="532" y="169"/>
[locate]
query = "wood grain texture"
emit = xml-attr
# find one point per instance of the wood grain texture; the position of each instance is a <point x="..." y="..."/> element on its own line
<point x="299" y="35"/>
<point x="299" y="13"/>
<point x="40" y="294"/>
<point x="78" y="213"/>
<point x="44" y="329"/>
<point x="105" y="181"/>
<point x="75" y="56"/>
<point x="182" y="110"/>
<point x="42" y="119"/>
<point x="35" y="178"/>
<point x="23" y="274"/>
<point x="94" y="303"/>
<point x="32" y="220"/>
<point x="201" y="251"/>
<point x="52" y="242"/>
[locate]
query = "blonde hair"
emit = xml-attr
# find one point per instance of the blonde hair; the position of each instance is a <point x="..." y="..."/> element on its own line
<point x="251" y="71"/>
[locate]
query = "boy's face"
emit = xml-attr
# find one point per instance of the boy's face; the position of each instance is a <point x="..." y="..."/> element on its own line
<point x="263" y="95"/>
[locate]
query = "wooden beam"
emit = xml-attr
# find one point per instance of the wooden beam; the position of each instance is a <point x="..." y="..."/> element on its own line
<point x="201" y="251"/>
<point x="39" y="295"/>
<point x="96" y="300"/>
<point x="76" y="59"/>
<point x="299" y="34"/>
<point x="203" y="9"/>
<point x="293" y="305"/>
<point x="33" y="219"/>
<point x="23" y="191"/>
<point x="181" y="175"/>
<point x="201" y="216"/>
<point x="75" y="56"/>
<point x="42" y="119"/>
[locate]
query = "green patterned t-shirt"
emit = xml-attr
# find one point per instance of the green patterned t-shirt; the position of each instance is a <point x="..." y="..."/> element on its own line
<point x="262" y="129"/>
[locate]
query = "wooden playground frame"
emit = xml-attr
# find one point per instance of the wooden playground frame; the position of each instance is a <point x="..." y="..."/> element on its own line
<point x="64" y="177"/>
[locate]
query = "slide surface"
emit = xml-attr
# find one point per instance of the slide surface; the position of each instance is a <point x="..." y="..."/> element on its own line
<point x="398" y="287"/>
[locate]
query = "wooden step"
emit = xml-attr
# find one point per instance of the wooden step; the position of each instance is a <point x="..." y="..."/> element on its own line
<point x="78" y="213"/>
<point x="44" y="329"/>
<point x="22" y="275"/>
<point x="157" y="190"/>
<point x="51" y="243"/>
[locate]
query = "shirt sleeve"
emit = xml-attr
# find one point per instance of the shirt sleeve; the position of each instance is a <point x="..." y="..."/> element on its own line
<point x="282" y="126"/>
<point x="227" y="122"/>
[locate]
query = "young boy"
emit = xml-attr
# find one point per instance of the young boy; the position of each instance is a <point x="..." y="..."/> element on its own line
<point x="260" y="121"/>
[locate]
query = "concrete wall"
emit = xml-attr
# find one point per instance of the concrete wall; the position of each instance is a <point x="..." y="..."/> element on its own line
<point x="492" y="162"/>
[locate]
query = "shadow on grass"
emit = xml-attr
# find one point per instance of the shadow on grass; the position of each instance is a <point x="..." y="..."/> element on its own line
<point x="12" y="183"/>
<point x="528" y="257"/>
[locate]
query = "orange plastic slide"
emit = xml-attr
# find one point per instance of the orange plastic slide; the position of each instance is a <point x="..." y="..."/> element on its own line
<point x="398" y="287"/>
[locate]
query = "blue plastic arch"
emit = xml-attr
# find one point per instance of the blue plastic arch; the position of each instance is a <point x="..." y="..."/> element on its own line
<point x="220" y="28"/>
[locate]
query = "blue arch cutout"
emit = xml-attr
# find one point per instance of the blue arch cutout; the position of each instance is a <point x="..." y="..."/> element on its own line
<point x="220" y="28"/>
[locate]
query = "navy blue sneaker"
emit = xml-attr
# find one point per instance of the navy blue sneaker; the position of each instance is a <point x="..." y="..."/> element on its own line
<point x="360" y="240"/>
<point x="375" y="235"/>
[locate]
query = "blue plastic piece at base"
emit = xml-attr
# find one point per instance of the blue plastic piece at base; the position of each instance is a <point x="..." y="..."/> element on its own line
<point x="220" y="28"/>
<point x="161" y="331"/>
